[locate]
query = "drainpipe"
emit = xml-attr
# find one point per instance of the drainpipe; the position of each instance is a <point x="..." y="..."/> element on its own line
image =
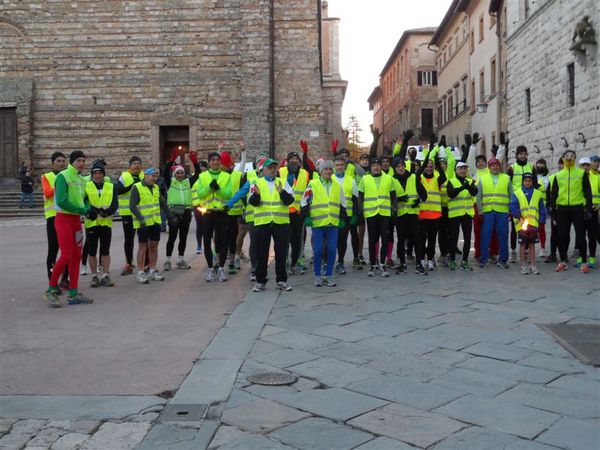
<point x="272" y="78"/>
<point x="500" y="93"/>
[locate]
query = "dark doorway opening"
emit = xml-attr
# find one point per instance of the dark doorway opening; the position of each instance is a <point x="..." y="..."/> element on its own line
<point x="8" y="142"/>
<point x="175" y="137"/>
<point x="426" y="123"/>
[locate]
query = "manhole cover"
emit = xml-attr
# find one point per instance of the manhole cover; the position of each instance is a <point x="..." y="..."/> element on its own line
<point x="582" y="340"/>
<point x="272" y="378"/>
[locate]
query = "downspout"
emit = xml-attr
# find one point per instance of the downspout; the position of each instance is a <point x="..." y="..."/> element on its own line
<point x="272" y="78"/>
<point x="500" y="94"/>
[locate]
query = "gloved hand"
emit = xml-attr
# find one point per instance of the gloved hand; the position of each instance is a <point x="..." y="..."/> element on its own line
<point x="92" y="214"/>
<point x="476" y="138"/>
<point x="503" y="138"/>
<point x="468" y="140"/>
<point x="194" y="157"/>
<point x="495" y="150"/>
<point x="342" y="224"/>
<point x="226" y="208"/>
<point x="308" y="222"/>
<point x="408" y="134"/>
<point x="304" y="146"/>
<point x="354" y="221"/>
<point x="415" y="203"/>
<point x="174" y="155"/>
<point x="214" y="185"/>
<point x="403" y="198"/>
<point x="103" y="213"/>
<point x="443" y="141"/>
<point x="432" y="141"/>
<point x="334" y="146"/>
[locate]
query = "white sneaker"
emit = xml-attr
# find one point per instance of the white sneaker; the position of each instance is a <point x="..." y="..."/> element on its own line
<point x="237" y="263"/>
<point x="142" y="278"/>
<point x="524" y="270"/>
<point x="328" y="281"/>
<point x="167" y="266"/>
<point x="183" y="265"/>
<point x="513" y="257"/>
<point x="155" y="275"/>
<point x="259" y="287"/>
<point x="542" y="253"/>
<point x="430" y="265"/>
<point x="283" y="286"/>
<point x="83" y="270"/>
<point x="318" y="282"/>
<point x="534" y="270"/>
<point x="221" y="274"/>
<point x="210" y="275"/>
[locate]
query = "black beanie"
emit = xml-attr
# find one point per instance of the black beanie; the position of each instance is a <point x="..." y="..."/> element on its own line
<point x="134" y="159"/>
<point x="74" y="155"/>
<point x="56" y="155"/>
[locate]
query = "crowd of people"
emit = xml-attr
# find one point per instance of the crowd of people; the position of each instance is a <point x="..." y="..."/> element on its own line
<point x="421" y="199"/>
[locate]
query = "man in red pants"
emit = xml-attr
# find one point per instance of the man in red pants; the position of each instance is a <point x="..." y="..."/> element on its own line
<point x="69" y="194"/>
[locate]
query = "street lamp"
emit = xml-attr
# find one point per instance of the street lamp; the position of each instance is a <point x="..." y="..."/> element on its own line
<point x="482" y="107"/>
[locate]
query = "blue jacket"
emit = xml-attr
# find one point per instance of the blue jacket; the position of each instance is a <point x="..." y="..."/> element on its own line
<point x="239" y="195"/>
<point x="515" y="209"/>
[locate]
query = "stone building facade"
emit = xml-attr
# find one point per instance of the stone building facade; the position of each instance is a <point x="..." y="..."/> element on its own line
<point x="408" y="84"/>
<point x="553" y="92"/>
<point x="122" y="78"/>
<point x="375" y="105"/>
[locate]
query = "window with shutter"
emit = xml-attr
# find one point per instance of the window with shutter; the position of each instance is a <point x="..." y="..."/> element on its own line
<point x="419" y="78"/>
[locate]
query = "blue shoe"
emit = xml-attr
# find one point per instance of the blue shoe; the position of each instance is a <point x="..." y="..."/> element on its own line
<point x="79" y="299"/>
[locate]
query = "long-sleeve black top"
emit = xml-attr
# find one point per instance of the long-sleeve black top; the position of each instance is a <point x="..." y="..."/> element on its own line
<point x="421" y="191"/>
<point x="134" y="200"/>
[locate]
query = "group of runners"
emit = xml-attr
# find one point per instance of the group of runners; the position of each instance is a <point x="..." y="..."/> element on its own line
<point x="421" y="199"/>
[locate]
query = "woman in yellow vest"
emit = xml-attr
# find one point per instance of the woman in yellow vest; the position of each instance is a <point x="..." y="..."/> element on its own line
<point x="271" y="197"/>
<point x="529" y="214"/>
<point x="145" y="203"/>
<point x="59" y="163"/>
<point x="571" y="199"/>
<point x="461" y="191"/>
<point x="179" y="199"/>
<point x="323" y="206"/>
<point x="124" y="186"/>
<point x="102" y="195"/>
<point x="551" y="258"/>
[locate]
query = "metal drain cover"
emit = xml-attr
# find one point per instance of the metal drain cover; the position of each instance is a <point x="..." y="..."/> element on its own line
<point x="272" y="378"/>
<point x="183" y="413"/>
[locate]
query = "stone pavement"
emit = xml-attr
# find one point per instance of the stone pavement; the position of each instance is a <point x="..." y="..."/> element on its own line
<point x="448" y="361"/>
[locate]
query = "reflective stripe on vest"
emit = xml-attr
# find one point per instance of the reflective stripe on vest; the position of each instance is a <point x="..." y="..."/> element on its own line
<point x="377" y="198"/>
<point x="495" y="197"/>
<point x="98" y="199"/>
<point x="179" y="193"/>
<point x="434" y="195"/>
<point x="529" y="210"/>
<point x="126" y="180"/>
<point x="213" y="199"/>
<point x="300" y="184"/>
<point x="325" y="208"/>
<point x="348" y="186"/>
<point x="149" y="205"/>
<point x="411" y="192"/>
<point x="461" y="204"/>
<point x="49" y="209"/>
<point x="238" y="208"/>
<point x="595" y="184"/>
<point x="570" y="187"/>
<point x="271" y="208"/>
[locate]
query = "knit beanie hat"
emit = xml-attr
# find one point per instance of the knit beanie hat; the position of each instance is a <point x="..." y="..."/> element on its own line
<point x="226" y="159"/>
<point x="76" y="154"/>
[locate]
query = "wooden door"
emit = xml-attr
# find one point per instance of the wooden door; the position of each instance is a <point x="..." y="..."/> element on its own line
<point x="8" y="142"/>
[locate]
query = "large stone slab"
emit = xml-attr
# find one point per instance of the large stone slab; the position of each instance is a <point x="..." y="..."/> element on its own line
<point x="72" y="407"/>
<point x="320" y="434"/>
<point x="476" y="438"/>
<point x="573" y="434"/>
<point x="231" y="438"/>
<point x="296" y="339"/>
<point x="409" y="392"/>
<point x="509" y="370"/>
<point x="378" y="328"/>
<point x="117" y="436"/>
<point x="285" y="358"/>
<point x="343" y="333"/>
<point x="497" y="351"/>
<point x="474" y="382"/>
<point x="333" y="372"/>
<point x="578" y="385"/>
<point x="210" y="381"/>
<point x="350" y="352"/>
<point x="499" y="415"/>
<point x="173" y="437"/>
<point x="254" y="311"/>
<point x="232" y="343"/>
<point x="406" y="424"/>
<point x="385" y="443"/>
<point x="337" y="404"/>
<point x="261" y="416"/>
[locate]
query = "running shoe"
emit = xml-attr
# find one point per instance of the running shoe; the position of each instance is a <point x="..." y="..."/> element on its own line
<point x="297" y="270"/>
<point x="232" y="270"/>
<point x="430" y="265"/>
<point x="127" y="269"/>
<point x="259" y="287"/>
<point x="167" y="266"/>
<point x="592" y="262"/>
<point x="389" y="262"/>
<point x="183" y="265"/>
<point x="401" y="269"/>
<point x="243" y="257"/>
<point x="534" y="270"/>
<point x="210" y="275"/>
<point x="361" y="258"/>
<point x="356" y="265"/>
<point x="237" y="263"/>
<point x="95" y="281"/>
<point x="584" y="268"/>
<point x="106" y="281"/>
<point x="253" y="277"/>
<point x="155" y="275"/>
<point x="383" y="270"/>
<point x="300" y="265"/>
<point x="198" y="250"/>
<point x="562" y="266"/>
<point x="339" y="268"/>
<point x="51" y="297"/>
<point x="221" y="275"/>
<point x="318" y="282"/>
<point x="371" y="272"/>
<point x="79" y="299"/>
<point x="142" y="278"/>
<point x="524" y="270"/>
<point x="483" y="264"/>
<point x="283" y="286"/>
<point x="513" y="257"/>
<point x="465" y="265"/>
<point x="542" y="252"/>
<point x="83" y="270"/>
<point x="419" y="269"/>
<point x="551" y="259"/>
<point x="502" y="265"/>
<point x="443" y="261"/>
<point x="452" y="265"/>
<point x="329" y="282"/>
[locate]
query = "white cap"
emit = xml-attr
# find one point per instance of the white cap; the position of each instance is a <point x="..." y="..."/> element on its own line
<point x="585" y="160"/>
<point x="461" y="164"/>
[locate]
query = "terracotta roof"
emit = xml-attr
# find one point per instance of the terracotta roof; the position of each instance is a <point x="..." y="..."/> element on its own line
<point x="403" y="38"/>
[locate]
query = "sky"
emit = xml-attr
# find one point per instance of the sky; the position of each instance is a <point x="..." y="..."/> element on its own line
<point x="369" y="31"/>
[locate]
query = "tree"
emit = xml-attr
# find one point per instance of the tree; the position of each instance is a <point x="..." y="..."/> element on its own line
<point x="354" y="130"/>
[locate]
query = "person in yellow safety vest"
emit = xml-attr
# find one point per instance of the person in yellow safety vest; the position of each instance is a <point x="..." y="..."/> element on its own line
<point x="386" y="165"/>
<point x="271" y="198"/>
<point x="59" y="163"/>
<point x="361" y="170"/>
<point x="298" y="178"/>
<point x="350" y="188"/>
<point x="243" y="194"/>
<point x="595" y="159"/>
<point x="145" y="204"/>
<point x="323" y="207"/>
<point x="571" y="201"/>
<point x="410" y="193"/>
<point x="551" y="258"/>
<point x="350" y="167"/>
<point x="541" y="170"/>
<point x="236" y="224"/>
<point x="529" y="213"/>
<point x="461" y="191"/>
<point x="180" y="202"/>
<point x="124" y="186"/>
<point x="214" y="189"/>
<point x="203" y="167"/>
<point x="102" y="195"/>
<point x="494" y="191"/>
<point x="430" y="211"/>
<point x="591" y="217"/>
<point x="377" y="202"/>
<point x="515" y="172"/>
